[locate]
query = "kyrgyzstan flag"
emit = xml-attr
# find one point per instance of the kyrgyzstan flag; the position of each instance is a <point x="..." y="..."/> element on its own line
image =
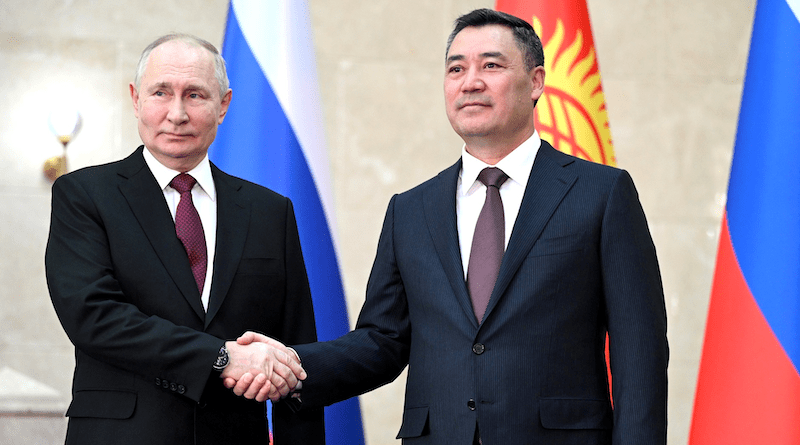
<point x="571" y="114"/>
<point x="748" y="390"/>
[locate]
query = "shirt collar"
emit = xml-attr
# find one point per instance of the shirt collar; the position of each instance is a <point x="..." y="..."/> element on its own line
<point x="164" y="175"/>
<point x="517" y="164"/>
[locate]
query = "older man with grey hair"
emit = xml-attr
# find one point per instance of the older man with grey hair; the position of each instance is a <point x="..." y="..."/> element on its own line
<point x="156" y="262"/>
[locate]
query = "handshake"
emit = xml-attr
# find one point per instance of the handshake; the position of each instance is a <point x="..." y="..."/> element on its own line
<point x="261" y="368"/>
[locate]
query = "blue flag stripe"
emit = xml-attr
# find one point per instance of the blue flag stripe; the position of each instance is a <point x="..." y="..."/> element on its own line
<point x="764" y="192"/>
<point x="258" y="143"/>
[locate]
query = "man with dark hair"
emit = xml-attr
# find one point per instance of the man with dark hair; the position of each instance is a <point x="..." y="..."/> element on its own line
<point x="156" y="262"/>
<point x="498" y="280"/>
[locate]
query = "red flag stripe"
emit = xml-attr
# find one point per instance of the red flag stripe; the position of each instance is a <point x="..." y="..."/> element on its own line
<point x="748" y="391"/>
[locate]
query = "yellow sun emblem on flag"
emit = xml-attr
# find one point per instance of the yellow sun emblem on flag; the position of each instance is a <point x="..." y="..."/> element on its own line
<point x="571" y="114"/>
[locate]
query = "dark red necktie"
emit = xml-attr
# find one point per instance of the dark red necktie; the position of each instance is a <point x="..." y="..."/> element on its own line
<point x="190" y="229"/>
<point x="488" y="244"/>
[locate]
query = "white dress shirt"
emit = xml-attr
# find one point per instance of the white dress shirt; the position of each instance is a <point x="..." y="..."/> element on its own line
<point x="204" y="197"/>
<point x="471" y="193"/>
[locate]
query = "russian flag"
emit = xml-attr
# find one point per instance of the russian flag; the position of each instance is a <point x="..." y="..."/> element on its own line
<point x="749" y="387"/>
<point x="273" y="135"/>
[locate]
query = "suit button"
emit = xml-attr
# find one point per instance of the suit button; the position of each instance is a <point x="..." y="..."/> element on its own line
<point x="181" y="389"/>
<point x="173" y="387"/>
<point x="158" y="381"/>
<point x="471" y="405"/>
<point x="478" y="348"/>
<point x="165" y="384"/>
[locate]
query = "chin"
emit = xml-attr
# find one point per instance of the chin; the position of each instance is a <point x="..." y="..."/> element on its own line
<point x="180" y="149"/>
<point x="472" y="131"/>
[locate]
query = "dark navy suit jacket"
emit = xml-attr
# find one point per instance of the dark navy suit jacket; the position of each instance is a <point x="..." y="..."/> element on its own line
<point x="580" y="263"/>
<point x="121" y="284"/>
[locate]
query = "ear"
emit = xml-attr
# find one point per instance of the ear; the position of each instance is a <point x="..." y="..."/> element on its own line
<point x="223" y="110"/>
<point x="135" y="99"/>
<point x="537" y="81"/>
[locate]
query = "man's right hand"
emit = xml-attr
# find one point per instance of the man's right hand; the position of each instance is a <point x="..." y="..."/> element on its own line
<point x="261" y="368"/>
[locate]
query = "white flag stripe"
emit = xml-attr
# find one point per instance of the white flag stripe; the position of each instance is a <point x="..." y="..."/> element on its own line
<point x="285" y="52"/>
<point x="795" y="6"/>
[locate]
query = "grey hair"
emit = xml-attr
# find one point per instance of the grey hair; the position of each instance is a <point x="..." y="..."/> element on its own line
<point x="219" y="63"/>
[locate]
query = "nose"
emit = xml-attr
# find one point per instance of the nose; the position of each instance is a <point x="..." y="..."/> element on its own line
<point x="177" y="112"/>
<point x="472" y="81"/>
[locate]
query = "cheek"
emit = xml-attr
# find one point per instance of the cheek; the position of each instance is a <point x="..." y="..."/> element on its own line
<point x="450" y="111"/>
<point x="450" y="92"/>
<point x="210" y="122"/>
<point x="204" y="116"/>
<point x="150" y="115"/>
<point x="448" y="101"/>
<point x="523" y="92"/>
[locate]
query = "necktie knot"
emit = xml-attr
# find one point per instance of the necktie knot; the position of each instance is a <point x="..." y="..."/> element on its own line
<point x="492" y="176"/>
<point x="183" y="183"/>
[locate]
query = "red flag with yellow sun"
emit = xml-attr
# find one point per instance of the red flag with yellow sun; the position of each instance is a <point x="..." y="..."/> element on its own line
<point x="571" y="114"/>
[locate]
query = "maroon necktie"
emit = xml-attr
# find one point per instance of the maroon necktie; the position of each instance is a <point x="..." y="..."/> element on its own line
<point x="488" y="244"/>
<point x="190" y="229"/>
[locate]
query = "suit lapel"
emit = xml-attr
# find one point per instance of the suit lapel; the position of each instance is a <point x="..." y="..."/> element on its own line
<point x="439" y="203"/>
<point x="547" y="185"/>
<point x="232" y="221"/>
<point x="147" y="203"/>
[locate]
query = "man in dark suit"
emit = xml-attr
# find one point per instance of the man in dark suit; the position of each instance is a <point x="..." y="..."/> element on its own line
<point x="155" y="262"/>
<point x="499" y="297"/>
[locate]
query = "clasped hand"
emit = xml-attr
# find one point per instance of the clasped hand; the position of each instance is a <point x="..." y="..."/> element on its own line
<point x="261" y="368"/>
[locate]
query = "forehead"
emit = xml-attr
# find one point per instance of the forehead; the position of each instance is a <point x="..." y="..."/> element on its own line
<point x="477" y="41"/>
<point x="179" y="60"/>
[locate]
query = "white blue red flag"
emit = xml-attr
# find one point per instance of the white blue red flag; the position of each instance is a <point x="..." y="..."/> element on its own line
<point x="273" y="135"/>
<point x="748" y="389"/>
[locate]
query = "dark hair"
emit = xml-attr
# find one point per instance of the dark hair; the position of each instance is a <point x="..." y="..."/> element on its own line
<point x="526" y="38"/>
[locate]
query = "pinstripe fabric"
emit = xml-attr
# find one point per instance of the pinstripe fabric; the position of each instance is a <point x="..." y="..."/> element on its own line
<point x="579" y="263"/>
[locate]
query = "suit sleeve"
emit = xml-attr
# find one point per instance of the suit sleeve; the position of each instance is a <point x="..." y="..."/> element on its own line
<point x="637" y="321"/>
<point x="98" y="318"/>
<point x="306" y="426"/>
<point x="377" y="350"/>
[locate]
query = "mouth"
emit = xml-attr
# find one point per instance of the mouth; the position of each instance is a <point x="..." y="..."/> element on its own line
<point x="473" y="104"/>
<point x="177" y="135"/>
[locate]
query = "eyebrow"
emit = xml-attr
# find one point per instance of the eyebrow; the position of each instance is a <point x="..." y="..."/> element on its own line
<point x="168" y="85"/>
<point x="486" y="55"/>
